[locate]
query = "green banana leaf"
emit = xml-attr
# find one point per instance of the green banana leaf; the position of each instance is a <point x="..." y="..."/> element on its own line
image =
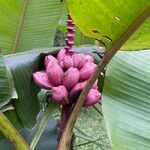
<point x="6" y="83"/>
<point x="126" y="100"/>
<point x="108" y="20"/>
<point x="27" y="24"/>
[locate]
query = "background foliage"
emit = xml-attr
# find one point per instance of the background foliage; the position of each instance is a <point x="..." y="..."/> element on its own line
<point x="126" y="100"/>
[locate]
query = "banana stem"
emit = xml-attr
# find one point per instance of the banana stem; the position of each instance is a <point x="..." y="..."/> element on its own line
<point x="10" y="132"/>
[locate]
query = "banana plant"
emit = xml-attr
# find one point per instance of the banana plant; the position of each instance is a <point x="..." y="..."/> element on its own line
<point x="27" y="25"/>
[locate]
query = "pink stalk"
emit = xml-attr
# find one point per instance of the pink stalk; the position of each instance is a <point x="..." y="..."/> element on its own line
<point x="65" y="113"/>
<point x="66" y="109"/>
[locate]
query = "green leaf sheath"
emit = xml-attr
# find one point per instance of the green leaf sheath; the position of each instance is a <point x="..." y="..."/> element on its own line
<point x="107" y="20"/>
<point x="6" y="83"/>
<point x="27" y="24"/>
<point x="11" y="133"/>
<point x="126" y="101"/>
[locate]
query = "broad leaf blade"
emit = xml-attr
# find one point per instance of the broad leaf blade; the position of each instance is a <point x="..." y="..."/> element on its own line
<point x="27" y="24"/>
<point x="140" y="39"/>
<point x="6" y="83"/>
<point x="107" y="20"/>
<point x="126" y="101"/>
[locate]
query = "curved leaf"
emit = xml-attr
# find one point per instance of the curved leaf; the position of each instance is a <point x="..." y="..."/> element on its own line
<point x="6" y="83"/>
<point x="108" y="20"/>
<point x="27" y="24"/>
<point x="126" y="101"/>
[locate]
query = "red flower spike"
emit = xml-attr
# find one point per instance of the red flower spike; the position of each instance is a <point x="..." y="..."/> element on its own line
<point x="70" y="34"/>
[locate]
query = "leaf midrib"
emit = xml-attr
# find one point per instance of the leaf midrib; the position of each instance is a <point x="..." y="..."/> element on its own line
<point x="22" y="16"/>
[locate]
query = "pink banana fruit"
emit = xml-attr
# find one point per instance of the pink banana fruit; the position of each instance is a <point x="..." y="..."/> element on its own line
<point x="60" y="95"/>
<point x="61" y="54"/>
<point x="55" y="73"/>
<point x="89" y="59"/>
<point x="87" y="71"/>
<point x="51" y="59"/>
<point x="92" y="98"/>
<point x="95" y="85"/>
<point x="78" y="60"/>
<point x="71" y="77"/>
<point x="41" y="79"/>
<point x="67" y="62"/>
<point x="77" y="89"/>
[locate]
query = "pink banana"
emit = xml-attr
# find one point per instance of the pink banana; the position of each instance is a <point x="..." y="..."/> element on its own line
<point x="71" y="77"/>
<point x="67" y="62"/>
<point x="61" y="54"/>
<point x="78" y="60"/>
<point x="55" y="73"/>
<point x="87" y="71"/>
<point x="50" y="58"/>
<point x="92" y="98"/>
<point x="41" y="79"/>
<point x="77" y="88"/>
<point x="89" y="59"/>
<point x="95" y="85"/>
<point x="60" y="95"/>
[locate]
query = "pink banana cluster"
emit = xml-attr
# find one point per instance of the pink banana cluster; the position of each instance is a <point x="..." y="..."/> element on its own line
<point x="66" y="76"/>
